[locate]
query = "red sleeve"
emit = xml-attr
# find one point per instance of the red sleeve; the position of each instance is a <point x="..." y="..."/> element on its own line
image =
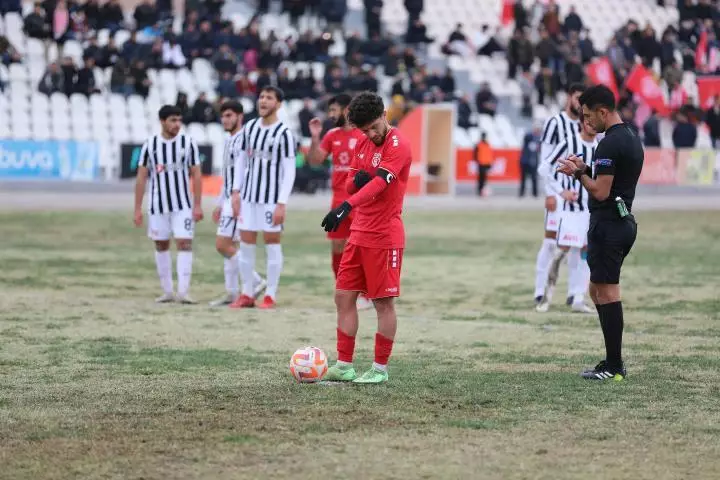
<point x="350" y="185"/>
<point x="371" y="190"/>
<point x="326" y="142"/>
<point x="396" y="155"/>
<point x="354" y="167"/>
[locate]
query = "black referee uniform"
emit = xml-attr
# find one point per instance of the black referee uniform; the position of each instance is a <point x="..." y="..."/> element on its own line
<point x="611" y="235"/>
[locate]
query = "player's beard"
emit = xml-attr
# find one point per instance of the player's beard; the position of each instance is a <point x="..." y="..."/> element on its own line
<point x="270" y="112"/>
<point x="233" y="127"/>
<point x="574" y="111"/>
<point x="340" y="122"/>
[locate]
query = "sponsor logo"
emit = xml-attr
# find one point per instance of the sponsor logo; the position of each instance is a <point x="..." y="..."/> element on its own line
<point x="66" y="160"/>
<point x="391" y="289"/>
<point x="352" y="143"/>
<point x="376" y="159"/>
<point x="337" y="143"/>
<point x="604" y="162"/>
<point x="389" y="177"/>
<point x="395" y="141"/>
<point x="344" y="158"/>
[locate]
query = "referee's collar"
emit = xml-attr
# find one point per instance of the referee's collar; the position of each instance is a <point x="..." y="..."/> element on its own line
<point x="615" y="127"/>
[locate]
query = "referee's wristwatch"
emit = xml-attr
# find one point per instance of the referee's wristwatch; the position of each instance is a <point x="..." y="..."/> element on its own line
<point x="582" y="171"/>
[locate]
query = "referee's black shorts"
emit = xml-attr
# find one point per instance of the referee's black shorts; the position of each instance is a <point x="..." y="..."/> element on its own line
<point x="609" y="242"/>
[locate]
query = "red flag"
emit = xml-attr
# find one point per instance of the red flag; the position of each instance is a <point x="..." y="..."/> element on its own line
<point x="508" y="12"/>
<point x="708" y="87"/>
<point x="600" y="72"/>
<point x="701" y="52"/>
<point x="641" y="82"/>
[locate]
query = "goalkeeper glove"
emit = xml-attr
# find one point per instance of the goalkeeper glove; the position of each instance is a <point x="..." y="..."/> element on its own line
<point x="332" y="220"/>
<point x="361" y="179"/>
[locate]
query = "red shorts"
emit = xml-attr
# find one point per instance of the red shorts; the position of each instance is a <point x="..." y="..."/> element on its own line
<point x="372" y="271"/>
<point x="343" y="231"/>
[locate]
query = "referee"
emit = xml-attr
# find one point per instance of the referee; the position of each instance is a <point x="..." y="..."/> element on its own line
<point x="611" y="183"/>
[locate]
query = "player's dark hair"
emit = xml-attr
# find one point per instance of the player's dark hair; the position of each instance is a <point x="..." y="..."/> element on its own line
<point x="279" y="94"/>
<point x="365" y="108"/>
<point x="233" y="106"/>
<point x="598" y="96"/>
<point x="576" y="87"/>
<point x="342" y="99"/>
<point x="167" y="111"/>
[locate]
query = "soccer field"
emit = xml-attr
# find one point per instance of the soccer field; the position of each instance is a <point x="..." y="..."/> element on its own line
<point x="97" y="381"/>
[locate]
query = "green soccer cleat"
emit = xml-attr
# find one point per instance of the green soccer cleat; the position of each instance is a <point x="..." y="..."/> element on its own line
<point x="340" y="373"/>
<point x="372" y="376"/>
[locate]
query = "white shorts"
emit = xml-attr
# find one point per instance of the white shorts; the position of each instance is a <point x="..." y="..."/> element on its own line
<point x="228" y="226"/>
<point x="552" y="219"/>
<point x="257" y="217"/>
<point x="573" y="228"/>
<point x="178" y="224"/>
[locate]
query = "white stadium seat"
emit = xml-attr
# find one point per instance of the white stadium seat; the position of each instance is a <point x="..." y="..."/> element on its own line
<point x="197" y="132"/>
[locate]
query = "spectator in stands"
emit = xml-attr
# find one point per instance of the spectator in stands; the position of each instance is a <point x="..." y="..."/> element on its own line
<point x="141" y="81"/>
<point x="334" y="82"/>
<point x="527" y="86"/>
<point x="416" y="35"/>
<point x="203" y="111"/>
<point x="91" y="9"/>
<point x="61" y="23"/>
<point x="551" y="19"/>
<point x="447" y="83"/>
<point x="181" y="101"/>
<point x="52" y="81"/>
<point x="190" y="42"/>
<point x="334" y="12"/>
<point x="93" y="49"/>
<point x="573" y="22"/>
<point x="529" y="160"/>
<point x="485" y="42"/>
<point x="587" y="49"/>
<point x="374" y="49"/>
<point x="547" y="85"/>
<point x="520" y="53"/>
<point x="485" y="101"/>
<point x="464" y="113"/>
<point x="8" y="53"/>
<point x="109" y="54"/>
<point x="111" y="16"/>
<point x="673" y="74"/>
<point x="574" y="71"/>
<point x="458" y="43"/>
<point x="245" y="88"/>
<point x="712" y="118"/>
<point x="648" y="47"/>
<point x="132" y="49"/>
<point x="306" y="114"/>
<point x="146" y="15"/>
<point x="7" y="6"/>
<point x="206" y="41"/>
<point x="520" y="14"/>
<point x="35" y="25"/>
<point x="69" y="75"/>
<point x="121" y="80"/>
<point x="668" y="45"/>
<point x="483" y="155"/>
<point x="685" y="133"/>
<point x="651" y="131"/>
<point x="373" y="9"/>
<point x="85" y="83"/>
<point x="391" y="61"/>
<point x="545" y="50"/>
<point x="414" y="9"/>
<point x="296" y="9"/>
<point x="172" y="54"/>
<point x="226" y="85"/>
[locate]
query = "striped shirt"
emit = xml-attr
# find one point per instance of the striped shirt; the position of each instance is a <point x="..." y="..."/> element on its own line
<point x="270" y="172"/>
<point x="233" y="164"/>
<point x="557" y="182"/>
<point x="169" y="163"/>
<point x="557" y="129"/>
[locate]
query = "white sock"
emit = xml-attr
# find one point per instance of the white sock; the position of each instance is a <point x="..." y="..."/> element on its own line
<point x="382" y="368"/>
<point x="246" y="264"/>
<point x="274" y="268"/>
<point x="184" y="271"/>
<point x="583" y="280"/>
<point x="232" y="270"/>
<point x="256" y="277"/>
<point x="340" y="363"/>
<point x="163" y="262"/>
<point x="542" y="265"/>
<point x="574" y="274"/>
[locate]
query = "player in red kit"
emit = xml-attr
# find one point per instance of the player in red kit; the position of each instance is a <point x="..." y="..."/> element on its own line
<point x="339" y="143"/>
<point x="372" y="258"/>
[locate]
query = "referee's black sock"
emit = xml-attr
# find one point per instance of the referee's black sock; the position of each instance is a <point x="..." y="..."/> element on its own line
<point x="612" y="323"/>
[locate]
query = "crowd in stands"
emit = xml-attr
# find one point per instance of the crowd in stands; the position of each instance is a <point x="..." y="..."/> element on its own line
<point x="546" y="53"/>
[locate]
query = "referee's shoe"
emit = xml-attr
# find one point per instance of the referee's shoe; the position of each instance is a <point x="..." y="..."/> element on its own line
<point x="603" y="371"/>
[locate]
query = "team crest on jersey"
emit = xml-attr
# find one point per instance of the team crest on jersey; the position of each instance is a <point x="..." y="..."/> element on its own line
<point x="376" y="159"/>
<point x="352" y="142"/>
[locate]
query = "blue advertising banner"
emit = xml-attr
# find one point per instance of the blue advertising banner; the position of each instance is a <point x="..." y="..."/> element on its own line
<point x="49" y="160"/>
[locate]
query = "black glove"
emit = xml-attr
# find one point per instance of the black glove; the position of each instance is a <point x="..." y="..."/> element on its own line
<point x="332" y="220"/>
<point x="361" y="179"/>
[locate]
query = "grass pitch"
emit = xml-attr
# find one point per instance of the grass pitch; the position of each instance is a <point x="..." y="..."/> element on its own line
<point x="96" y="381"/>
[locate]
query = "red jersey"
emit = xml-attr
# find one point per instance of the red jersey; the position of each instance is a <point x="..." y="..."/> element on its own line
<point x="340" y="143"/>
<point x="378" y="224"/>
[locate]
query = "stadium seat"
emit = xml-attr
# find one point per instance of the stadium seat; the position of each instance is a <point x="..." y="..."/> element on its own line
<point x="18" y="73"/>
<point x="79" y="103"/>
<point x="121" y="36"/>
<point x="215" y="133"/>
<point x="20" y="131"/>
<point x="103" y="36"/>
<point x="74" y="50"/>
<point x="197" y="132"/>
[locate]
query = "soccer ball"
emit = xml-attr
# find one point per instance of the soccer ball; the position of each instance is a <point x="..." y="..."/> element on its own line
<point x="308" y="365"/>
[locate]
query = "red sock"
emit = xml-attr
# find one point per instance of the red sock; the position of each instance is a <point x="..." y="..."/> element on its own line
<point x="345" y="346"/>
<point x="336" y="257"/>
<point x="383" y="349"/>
